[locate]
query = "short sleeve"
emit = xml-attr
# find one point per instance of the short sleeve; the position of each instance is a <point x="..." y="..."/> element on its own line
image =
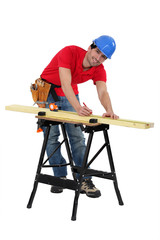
<point x="99" y="74"/>
<point x="65" y="58"/>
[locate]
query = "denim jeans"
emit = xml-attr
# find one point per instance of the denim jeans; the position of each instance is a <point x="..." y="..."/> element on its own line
<point x="76" y="140"/>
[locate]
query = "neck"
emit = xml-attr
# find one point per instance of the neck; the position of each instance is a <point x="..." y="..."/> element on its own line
<point x="86" y="68"/>
<point x="85" y="63"/>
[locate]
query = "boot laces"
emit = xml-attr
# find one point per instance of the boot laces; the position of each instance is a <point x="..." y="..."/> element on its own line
<point x="89" y="184"/>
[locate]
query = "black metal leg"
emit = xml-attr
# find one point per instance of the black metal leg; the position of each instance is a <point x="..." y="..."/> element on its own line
<point x="118" y="193"/>
<point x="83" y="168"/>
<point x="112" y="167"/>
<point x="75" y="204"/>
<point x="29" y="205"/>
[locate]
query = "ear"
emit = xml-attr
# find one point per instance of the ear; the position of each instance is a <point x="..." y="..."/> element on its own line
<point x="89" y="48"/>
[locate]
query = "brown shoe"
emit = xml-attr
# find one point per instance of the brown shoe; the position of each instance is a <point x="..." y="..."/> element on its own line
<point x="89" y="189"/>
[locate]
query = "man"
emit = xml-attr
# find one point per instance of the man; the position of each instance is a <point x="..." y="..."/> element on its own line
<point x="71" y="66"/>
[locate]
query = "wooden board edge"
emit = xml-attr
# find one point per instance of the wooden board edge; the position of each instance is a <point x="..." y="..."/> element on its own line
<point x="67" y="121"/>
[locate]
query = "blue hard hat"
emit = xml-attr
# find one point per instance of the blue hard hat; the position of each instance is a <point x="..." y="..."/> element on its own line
<point x="106" y="45"/>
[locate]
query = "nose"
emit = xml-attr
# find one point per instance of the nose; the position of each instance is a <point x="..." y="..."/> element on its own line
<point x="98" y="57"/>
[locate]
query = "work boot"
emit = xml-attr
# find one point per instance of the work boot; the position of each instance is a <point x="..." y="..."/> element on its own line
<point x="57" y="189"/>
<point x="89" y="189"/>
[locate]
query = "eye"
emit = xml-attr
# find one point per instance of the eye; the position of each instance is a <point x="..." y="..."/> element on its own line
<point x="104" y="57"/>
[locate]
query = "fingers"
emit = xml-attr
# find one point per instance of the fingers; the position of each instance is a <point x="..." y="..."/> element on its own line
<point x="111" y="115"/>
<point x="85" y="111"/>
<point x="115" y="117"/>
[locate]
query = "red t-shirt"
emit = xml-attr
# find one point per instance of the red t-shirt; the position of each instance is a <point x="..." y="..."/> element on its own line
<point x="71" y="57"/>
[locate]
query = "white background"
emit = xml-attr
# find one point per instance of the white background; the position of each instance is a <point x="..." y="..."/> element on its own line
<point x="31" y="33"/>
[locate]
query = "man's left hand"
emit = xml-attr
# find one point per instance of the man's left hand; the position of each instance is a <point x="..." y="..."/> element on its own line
<point x="111" y="115"/>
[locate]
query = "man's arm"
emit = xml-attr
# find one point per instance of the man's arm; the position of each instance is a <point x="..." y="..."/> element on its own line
<point x="66" y="78"/>
<point x="105" y="99"/>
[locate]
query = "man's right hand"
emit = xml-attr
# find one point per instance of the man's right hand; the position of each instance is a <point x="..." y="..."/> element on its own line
<point x="84" y="111"/>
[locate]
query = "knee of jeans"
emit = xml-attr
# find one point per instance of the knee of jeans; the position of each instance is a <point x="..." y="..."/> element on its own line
<point x="77" y="142"/>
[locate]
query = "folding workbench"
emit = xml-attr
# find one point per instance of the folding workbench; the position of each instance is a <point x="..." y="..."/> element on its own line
<point x="90" y="125"/>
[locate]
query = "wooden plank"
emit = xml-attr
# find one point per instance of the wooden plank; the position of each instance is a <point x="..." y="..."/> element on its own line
<point x="75" y="118"/>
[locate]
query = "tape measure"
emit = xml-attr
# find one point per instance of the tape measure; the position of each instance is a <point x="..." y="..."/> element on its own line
<point x="53" y="107"/>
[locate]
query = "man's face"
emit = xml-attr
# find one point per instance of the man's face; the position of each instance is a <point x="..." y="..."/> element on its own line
<point x="95" y="57"/>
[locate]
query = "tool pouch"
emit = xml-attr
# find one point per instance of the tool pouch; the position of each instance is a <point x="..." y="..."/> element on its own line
<point x="34" y="92"/>
<point x="40" y="91"/>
